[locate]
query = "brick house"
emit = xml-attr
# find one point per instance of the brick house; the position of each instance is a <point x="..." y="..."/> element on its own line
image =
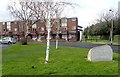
<point x="0" y="29"/>
<point x="67" y="28"/>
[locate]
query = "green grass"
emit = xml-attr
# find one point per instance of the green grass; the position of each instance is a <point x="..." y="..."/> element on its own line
<point x="102" y="41"/>
<point x="19" y="59"/>
<point x="94" y="40"/>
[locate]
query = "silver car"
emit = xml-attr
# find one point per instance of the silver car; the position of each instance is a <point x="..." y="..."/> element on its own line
<point x="8" y="40"/>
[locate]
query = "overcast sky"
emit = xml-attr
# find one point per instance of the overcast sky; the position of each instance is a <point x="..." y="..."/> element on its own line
<point x="87" y="11"/>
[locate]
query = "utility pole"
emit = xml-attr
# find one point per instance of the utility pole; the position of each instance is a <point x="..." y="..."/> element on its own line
<point x="111" y="29"/>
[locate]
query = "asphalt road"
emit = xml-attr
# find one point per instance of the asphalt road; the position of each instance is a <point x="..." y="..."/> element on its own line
<point x="3" y="46"/>
<point x="0" y="47"/>
<point x="116" y="48"/>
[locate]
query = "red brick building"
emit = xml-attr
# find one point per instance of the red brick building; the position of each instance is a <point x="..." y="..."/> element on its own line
<point x="67" y="28"/>
<point x="0" y="29"/>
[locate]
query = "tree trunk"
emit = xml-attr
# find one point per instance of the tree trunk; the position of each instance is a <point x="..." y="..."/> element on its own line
<point x="48" y="42"/>
<point x="57" y="41"/>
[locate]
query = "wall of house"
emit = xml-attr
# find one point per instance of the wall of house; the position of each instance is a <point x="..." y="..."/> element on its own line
<point x="67" y="29"/>
<point x="0" y="29"/>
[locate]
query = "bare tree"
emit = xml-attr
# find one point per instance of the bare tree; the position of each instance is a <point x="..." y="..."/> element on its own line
<point x="43" y="9"/>
<point x="108" y="17"/>
<point x="20" y="11"/>
<point x="47" y="10"/>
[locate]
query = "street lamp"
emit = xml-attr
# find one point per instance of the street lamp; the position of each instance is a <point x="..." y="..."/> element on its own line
<point x="111" y="29"/>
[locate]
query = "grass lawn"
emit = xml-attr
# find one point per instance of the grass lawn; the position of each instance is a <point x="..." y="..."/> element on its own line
<point x="19" y="59"/>
<point x="103" y="41"/>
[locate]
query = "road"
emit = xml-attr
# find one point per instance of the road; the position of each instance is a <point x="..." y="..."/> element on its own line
<point x="3" y="46"/>
<point x="89" y="45"/>
<point x="116" y="48"/>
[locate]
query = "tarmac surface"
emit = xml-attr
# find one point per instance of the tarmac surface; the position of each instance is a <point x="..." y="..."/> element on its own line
<point x="116" y="48"/>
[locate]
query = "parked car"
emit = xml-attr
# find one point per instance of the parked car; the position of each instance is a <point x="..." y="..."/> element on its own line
<point x="8" y="40"/>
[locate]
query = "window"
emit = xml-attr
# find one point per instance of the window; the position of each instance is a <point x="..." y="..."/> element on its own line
<point x="15" y="22"/>
<point x="42" y="29"/>
<point x="15" y="29"/>
<point x="3" y="23"/>
<point x="73" y="19"/>
<point x="33" y="21"/>
<point x="42" y="20"/>
<point x="63" y="24"/>
<point x="34" y="27"/>
<point x="73" y="27"/>
<point x="64" y="20"/>
<point x="8" y="26"/>
<point x="8" y="23"/>
<point x="64" y="28"/>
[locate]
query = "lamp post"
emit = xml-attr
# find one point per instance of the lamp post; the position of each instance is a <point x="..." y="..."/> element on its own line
<point x="111" y="29"/>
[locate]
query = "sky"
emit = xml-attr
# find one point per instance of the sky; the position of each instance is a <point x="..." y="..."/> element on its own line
<point x="87" y="12"/>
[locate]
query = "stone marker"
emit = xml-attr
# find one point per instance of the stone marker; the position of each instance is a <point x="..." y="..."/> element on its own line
<point x="100" y="53"/>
